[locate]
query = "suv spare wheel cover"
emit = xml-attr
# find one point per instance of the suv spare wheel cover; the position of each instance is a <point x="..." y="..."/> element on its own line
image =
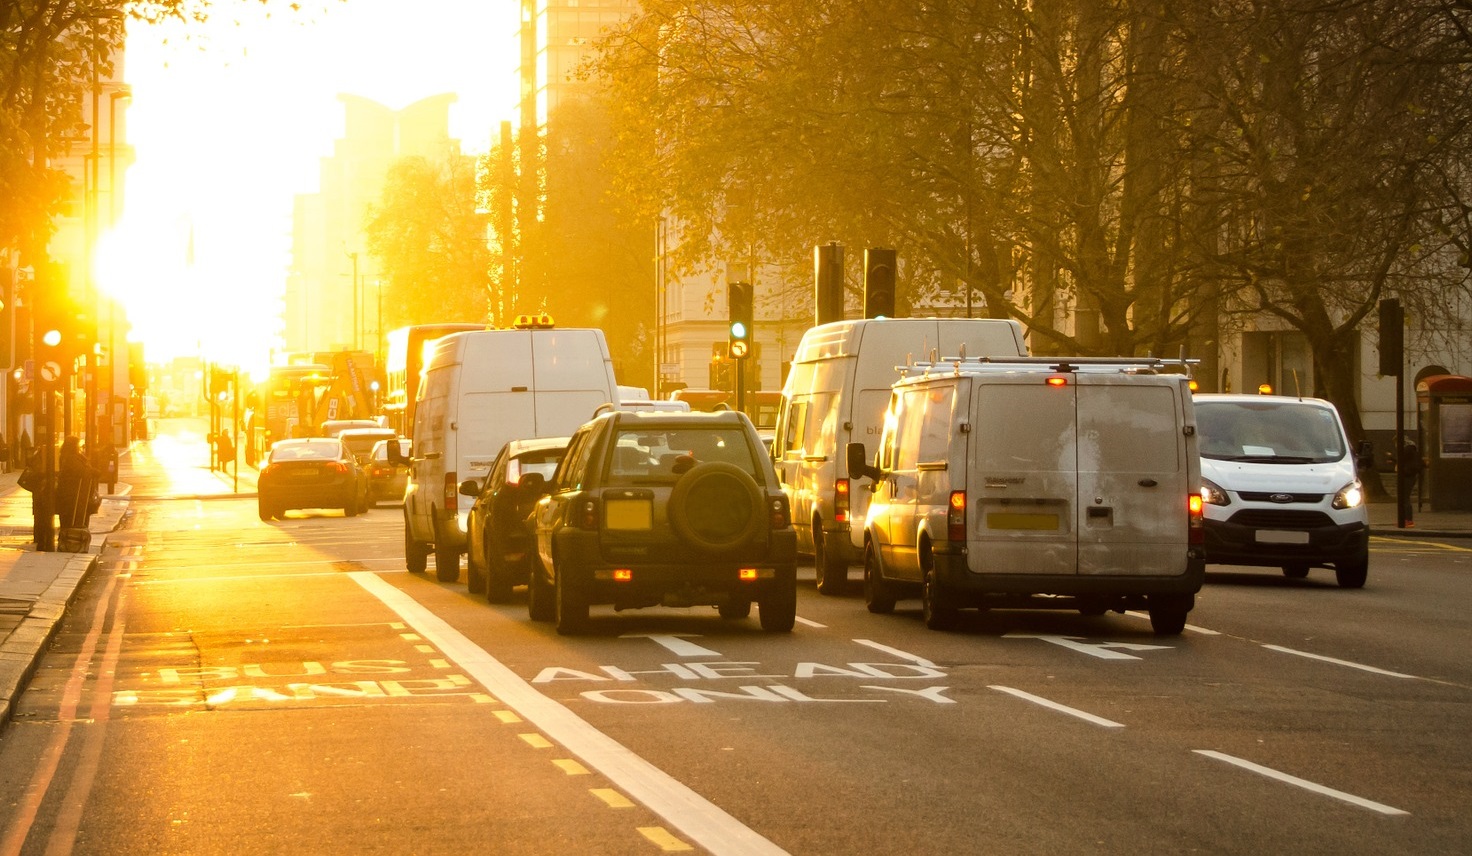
<point x="716" y="506"/>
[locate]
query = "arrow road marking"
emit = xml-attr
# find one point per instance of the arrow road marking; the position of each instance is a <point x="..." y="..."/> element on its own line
<point x="675" y="644"/>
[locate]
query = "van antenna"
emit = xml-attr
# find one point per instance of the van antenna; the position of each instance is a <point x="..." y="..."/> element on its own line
<point x="963" y="351"/>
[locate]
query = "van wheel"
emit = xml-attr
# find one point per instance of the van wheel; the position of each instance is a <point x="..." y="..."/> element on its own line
<point x="1295" y="571"/>
<point x="1168" y="613"/>
<point x="1351" y="574"/>
<point x="938" y="614"/>
<point x="832" y="575"/>
<point x="572" y="604"/>
<point x="539" y="603"/>
<point x="416" y="554"/>
<point x="879" y="595"/>
<point x="778" y="607"/>
<point x="446" y="559"/>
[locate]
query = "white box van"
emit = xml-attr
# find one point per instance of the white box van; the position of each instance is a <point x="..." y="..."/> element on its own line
<point x="480" y="390"/>
<point x="1049" y="483"/>
<point x="836" y="392"/>
<point x="1281" y="487"/>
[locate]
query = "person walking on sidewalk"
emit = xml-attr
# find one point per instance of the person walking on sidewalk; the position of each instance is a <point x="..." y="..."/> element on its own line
<point x="76" y="485"/>
<point x="1410" y="475"/>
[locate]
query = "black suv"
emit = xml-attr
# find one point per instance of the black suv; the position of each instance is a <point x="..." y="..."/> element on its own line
<point x="672" y="509"/>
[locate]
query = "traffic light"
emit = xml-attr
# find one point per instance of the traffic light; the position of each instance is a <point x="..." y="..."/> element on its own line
<point x="879" y="265"/>
<point x="1392" y="338"/>
<point x="738" y="300"/>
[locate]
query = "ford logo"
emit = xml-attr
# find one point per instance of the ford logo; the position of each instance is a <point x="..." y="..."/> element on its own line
<point x="1281" y="497"/>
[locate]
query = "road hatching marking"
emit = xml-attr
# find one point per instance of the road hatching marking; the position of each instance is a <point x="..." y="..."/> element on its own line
<point x="1301" y="783"/>
<point x="1061" y="708"/>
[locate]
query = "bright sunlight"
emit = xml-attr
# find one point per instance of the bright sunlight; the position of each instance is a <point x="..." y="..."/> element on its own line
<point x="228" y="120"/>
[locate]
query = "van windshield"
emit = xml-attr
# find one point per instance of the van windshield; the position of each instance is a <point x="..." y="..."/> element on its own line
<point x="1269" y="432"/>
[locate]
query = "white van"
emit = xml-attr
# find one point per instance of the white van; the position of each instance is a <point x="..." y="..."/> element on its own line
<point x="480" y="390"/>
<point x="836" y="392"/>
<point x="1045" y="484"/>
<point x="1281" y="487"/>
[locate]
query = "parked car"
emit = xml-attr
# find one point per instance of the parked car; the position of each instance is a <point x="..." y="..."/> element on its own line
<point x="1280" y="484"/>
<point x="314" y="472"/>
<point x="387" y="477"/>
<point x="672" y="509"/>
<point x="499" y="536"/>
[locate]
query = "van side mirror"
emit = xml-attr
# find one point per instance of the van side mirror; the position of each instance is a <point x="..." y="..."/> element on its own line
<point x="1364" y="459"/>
<point x="395" y="453"/>
<point x="858" y="464"/>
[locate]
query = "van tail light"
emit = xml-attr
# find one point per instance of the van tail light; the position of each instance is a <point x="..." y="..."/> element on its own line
<point x="840" y="501"/>
<point x="586" y="514"/>
<point x="1194" y="506"/>
<point x="779" y="515"/>
<point x="956" y="516"/>
<point x="452" y="490"/>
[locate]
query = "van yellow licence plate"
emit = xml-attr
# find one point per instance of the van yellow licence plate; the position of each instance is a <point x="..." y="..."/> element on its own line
<point x="628" y="514"/>
<point x="1006" y="520"/>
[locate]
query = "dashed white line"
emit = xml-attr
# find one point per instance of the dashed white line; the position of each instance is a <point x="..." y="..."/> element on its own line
<point x="1338" y="662"/>
<point x="1301" y="783"/>
<point x="1061" y="708"/>
<point x="903" y="655"/>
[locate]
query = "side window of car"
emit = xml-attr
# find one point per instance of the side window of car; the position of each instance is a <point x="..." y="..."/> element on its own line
<point x="577" y="461"/>
<point x="498" y="470"/>
<point x="562" y="477"/>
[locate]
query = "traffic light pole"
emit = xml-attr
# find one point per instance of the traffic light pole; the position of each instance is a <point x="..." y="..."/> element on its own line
<point x="43" y="498"/>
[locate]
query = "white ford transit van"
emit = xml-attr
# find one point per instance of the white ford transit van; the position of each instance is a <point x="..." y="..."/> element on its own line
<point x="480" y="390"/>
<point x="836" y="392"/>
<point x="1281" y="487"/>
<point x="1072" y="479"/>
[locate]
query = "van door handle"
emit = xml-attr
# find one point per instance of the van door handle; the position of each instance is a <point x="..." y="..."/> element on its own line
<point x="1148" y="482"/>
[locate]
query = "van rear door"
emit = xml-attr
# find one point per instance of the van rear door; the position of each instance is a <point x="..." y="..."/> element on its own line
<point x="1023" y="481"/>
<point x="1132" y="477"/>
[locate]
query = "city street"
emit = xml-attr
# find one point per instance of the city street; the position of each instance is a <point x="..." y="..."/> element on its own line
<point x="225" y="685"/>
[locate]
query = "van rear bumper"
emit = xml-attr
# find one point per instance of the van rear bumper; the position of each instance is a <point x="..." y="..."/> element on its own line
<point x="1230" y="543"/>
<point x="955" y="576"/>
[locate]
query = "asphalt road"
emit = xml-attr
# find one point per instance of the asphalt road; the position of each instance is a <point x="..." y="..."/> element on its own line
<point x="225" y="684"/>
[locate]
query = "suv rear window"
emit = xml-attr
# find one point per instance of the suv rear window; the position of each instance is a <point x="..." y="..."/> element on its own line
<point x="648" y="455"/>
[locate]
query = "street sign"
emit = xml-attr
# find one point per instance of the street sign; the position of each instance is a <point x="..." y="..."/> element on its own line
<point x="50" y="370"/>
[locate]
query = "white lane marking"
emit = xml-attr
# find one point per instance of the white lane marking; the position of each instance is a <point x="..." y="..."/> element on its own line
<point x="807" y="622"/>
<point x="1102" y="650"/>
<point x="1302" y="783"/>
<point x="1191" y="627"/>
<point x="1338" y="662"/>
<point x="1061" y="708"/>
<point x="706" y="823"/>
<point x="675" y="644"/>
<point x="903" y="655"/>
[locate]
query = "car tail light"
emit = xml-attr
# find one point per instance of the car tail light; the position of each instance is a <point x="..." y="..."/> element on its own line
<point x="956" y="516"/>
<point x="586" y="515"/>
<point x="840" y="501"/>
<point x="623" y="575"/>
<point x="452" y="490"/>
<point x="1194" y="506"/>
<point x="340" y="468"/>
<point x="746" y="575"/>
<point x="779" y="517"/>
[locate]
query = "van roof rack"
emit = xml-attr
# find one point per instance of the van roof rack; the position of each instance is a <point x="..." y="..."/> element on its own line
<point x="1062" y="365"/>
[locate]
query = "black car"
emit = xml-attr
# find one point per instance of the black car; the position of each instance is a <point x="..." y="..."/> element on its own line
<point x="315" y="472"/>
<point x="651" y="509"/>
<point x="499" y="538"/>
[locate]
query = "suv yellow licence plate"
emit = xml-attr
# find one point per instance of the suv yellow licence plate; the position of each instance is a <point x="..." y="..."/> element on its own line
<point x="628" y="514"/>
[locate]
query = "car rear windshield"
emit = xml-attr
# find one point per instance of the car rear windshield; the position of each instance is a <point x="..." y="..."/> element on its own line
<point x="1269" y="432"/>
<point x="650" y="455"/>
<point x="362" y="444"/>
<point x="543" y="461"/>
<point x="326" y="450"/>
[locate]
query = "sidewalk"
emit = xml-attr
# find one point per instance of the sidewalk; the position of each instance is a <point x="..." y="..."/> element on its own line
<point x="36" y="588"/>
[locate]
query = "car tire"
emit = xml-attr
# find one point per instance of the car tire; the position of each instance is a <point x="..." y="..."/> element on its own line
<point x="735" y="609"/>
<point x="539" y="603"/>
<point x="1295" y="571"/>
<point x="350" y="508"/>
<point x="572" y="604"/>
<point x="832" y="575"/>
<point x="475" y="578"/>
<point x="716" y="507"/>
<point x="937" y="611"/>
<point x="416" y="553"/>
<point x="446" y="558"/>
<point x="1168" y="613"/>
<point x="263" y="508"/>
<point x="777" y="608"/>
<point x="879" y="595"/>
<point x="498" y="575"/>
<point x="1352" y="574"/>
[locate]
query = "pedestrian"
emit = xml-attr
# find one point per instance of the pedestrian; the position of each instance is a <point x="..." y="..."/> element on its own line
<point x="76" y="486"/>
<point x="225" y="449"/>
<point x="1411" y="466"/>
<point x="32" y="477"/>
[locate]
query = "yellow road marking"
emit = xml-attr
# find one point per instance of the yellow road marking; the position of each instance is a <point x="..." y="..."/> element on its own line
<point x="536" y="741"/>
<point x="507" y="717"/>
<point x="611" y="797"/>
<point x="663" y="839"/>
<point x="571" y="767"/>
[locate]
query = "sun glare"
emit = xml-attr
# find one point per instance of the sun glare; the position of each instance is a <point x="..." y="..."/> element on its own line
<point x="227" y="123"/>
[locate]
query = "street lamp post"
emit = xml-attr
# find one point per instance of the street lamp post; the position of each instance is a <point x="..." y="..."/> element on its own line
<point x="118" y="428"/>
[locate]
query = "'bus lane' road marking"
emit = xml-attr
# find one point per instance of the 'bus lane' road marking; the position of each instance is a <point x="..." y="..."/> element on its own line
<point x="1061" y="708"/>
<point x="1338" y="662"/>
<point x="1301" y="783"/>
<point x="703" y="821"/>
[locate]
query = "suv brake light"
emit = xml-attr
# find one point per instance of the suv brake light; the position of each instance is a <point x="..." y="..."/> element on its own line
<point x="779" y="515"/>
<point x="586" y="515"/>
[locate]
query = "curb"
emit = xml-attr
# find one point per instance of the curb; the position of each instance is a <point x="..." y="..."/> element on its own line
<point x="21" y="651"/>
